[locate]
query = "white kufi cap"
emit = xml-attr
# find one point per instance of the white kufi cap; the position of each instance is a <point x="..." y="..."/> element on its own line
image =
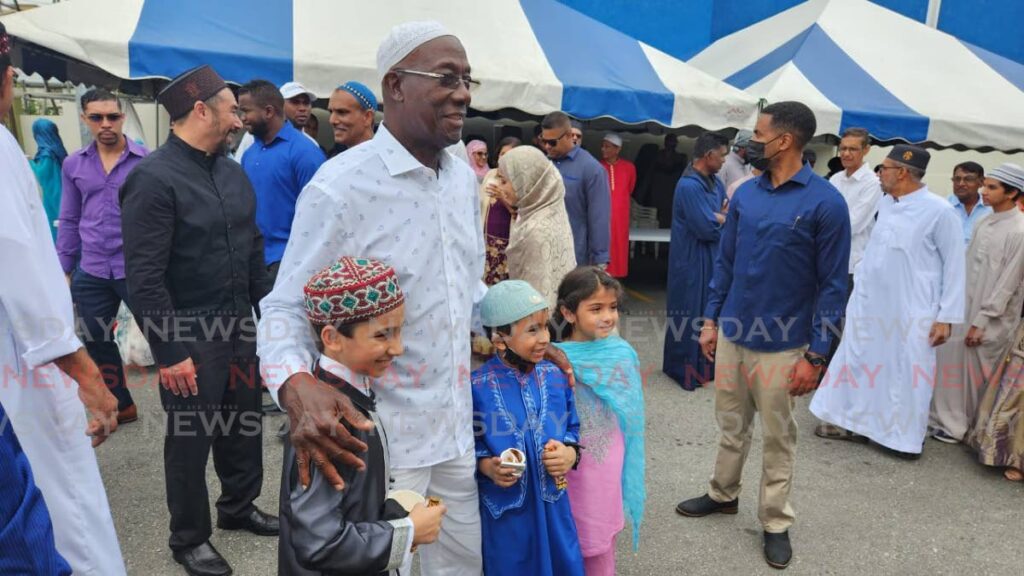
<point x="403" y="39"/>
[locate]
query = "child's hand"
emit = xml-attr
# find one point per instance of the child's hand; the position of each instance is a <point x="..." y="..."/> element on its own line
<point x="500" y="475"/>
<point x="426" y="523"/>
<point x="558" y="458"/>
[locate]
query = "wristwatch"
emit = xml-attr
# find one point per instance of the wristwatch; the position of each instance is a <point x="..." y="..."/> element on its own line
<point x="814" y="359"/>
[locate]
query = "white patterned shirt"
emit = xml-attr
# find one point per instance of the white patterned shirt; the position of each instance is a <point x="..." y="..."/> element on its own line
<point x="376" y="200"/>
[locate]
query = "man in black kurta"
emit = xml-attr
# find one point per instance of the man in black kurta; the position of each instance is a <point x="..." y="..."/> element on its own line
<point x="194" y="265"/>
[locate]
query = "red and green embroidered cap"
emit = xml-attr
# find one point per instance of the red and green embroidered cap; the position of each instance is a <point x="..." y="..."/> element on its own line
<point x="352" y="290"/>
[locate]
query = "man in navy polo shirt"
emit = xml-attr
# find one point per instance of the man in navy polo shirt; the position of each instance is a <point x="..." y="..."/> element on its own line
<point x="279" y="164"/>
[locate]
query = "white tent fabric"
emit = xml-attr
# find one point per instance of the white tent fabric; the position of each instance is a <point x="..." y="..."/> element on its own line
<point x="531" y="55"/>
<point x="859" y="64"/>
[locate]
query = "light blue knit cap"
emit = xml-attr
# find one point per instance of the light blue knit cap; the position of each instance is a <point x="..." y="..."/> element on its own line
<point x="510" y="301"/>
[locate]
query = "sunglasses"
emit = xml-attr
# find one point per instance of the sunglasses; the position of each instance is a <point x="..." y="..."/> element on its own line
<point x="552" y="142"/>
<point x="97" y="118"/>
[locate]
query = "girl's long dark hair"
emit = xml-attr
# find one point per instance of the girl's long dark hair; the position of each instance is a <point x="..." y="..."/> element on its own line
<point x="577" y="286"/>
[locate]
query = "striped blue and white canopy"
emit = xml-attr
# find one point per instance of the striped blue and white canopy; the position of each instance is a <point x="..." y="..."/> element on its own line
<point x="531" y="55"/>
<point x="858" y="64"/>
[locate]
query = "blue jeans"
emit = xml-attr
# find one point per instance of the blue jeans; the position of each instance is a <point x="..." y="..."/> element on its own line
<point x="97" y="301"/>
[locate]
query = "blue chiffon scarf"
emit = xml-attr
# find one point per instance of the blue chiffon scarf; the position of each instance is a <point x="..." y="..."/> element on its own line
<point x="611" y="369"/>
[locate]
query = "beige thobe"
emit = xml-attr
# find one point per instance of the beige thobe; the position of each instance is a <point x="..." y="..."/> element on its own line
<point x="995" y="295"/>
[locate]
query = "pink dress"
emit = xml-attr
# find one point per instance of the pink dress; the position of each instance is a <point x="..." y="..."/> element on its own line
<point x="595" y="488"/>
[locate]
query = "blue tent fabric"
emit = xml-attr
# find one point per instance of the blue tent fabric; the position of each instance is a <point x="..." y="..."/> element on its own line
<point x="234" y="41"/>
<point x="595" y="73"/>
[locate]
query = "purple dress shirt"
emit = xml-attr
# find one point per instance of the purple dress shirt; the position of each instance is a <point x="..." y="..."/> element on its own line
<point x="89" y="229"/>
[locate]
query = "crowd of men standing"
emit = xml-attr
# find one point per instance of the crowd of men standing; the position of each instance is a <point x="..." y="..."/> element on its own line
<point x="766" y="261"/>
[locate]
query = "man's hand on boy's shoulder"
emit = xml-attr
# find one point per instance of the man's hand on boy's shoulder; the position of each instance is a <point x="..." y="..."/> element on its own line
<point x="315" y="410"/>
<point x="557" y="356"/>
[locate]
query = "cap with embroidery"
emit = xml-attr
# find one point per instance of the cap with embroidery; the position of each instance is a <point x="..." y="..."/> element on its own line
<point x="5" y="41"/>
<point x="352" y="290"/>
<point x="363" y="95"/>
<point x="508" y="302"/>
<point x="196" y="85"/>
<point x="908" y="155"/>
<point x="403" y="39"/>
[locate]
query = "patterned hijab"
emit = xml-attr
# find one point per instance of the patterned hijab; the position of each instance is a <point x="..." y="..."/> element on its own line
<point x="540" y="247"/>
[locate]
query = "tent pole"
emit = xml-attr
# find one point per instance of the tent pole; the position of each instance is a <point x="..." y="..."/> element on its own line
<point x="932" y="19"/>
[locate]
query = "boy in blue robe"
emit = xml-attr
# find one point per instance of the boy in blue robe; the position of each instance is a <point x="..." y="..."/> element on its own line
<point x="524" y="402"/>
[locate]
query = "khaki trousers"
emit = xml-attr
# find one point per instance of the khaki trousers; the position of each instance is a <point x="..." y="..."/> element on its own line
<point x="747" y="381"/>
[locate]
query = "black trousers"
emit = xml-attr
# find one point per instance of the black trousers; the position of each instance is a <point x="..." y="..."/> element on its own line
<point x="226" y="417"/>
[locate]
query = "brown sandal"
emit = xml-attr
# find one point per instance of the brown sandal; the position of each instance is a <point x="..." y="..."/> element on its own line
<point x="1013" y="475"/>
<point x="830" y="432"/>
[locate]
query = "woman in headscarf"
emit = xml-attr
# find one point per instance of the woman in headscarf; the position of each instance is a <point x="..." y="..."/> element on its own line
<point x="540" y="248"/>
<point x="477" y="152"/>
<point x="497" y="213"/>
<point x="50" y="155"/>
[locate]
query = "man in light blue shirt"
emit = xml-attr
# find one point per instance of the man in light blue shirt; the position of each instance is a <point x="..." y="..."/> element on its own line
<point x="967" y="179"/>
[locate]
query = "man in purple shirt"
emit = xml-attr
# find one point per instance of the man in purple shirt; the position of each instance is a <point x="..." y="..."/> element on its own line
<point x="89" y="235"/>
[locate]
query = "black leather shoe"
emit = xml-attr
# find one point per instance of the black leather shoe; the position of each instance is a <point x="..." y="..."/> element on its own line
<point x="703" y="506"/>
<point x="777" y="551"/>
<point x="203" y="560"/>
<point x="257" y="522"/>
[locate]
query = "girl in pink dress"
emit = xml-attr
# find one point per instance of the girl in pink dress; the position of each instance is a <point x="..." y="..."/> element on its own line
<point x="608" y="486"/>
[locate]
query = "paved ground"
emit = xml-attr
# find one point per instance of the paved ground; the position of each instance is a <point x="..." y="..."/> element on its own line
<point x="859" y="510"/>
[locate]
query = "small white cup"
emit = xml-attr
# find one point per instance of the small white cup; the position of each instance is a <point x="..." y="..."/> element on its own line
<point x="515" y="459"/>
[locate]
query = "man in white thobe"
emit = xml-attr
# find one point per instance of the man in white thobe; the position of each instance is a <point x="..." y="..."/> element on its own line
<point x="909" y="292"/>
<point x="995" y="296"/>
<point x="47" y="374"/>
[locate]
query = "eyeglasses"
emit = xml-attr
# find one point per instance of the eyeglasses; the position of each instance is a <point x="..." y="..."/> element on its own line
<point x="447" y="80"/>
<point x="97" y="118"/>
<point x="964" y="179"/>
<point x="880" y="168"/>
<point x="552" y="142"/>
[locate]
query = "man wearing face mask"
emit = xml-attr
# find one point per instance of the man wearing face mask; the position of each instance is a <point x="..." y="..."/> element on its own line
<point x="779" y="278"/>
<point x="195" y="267"/>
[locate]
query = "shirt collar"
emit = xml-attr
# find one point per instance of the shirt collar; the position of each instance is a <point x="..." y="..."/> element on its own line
<point x="859" y="174"/>
<point x="199" y="156"/>
<point x="802" y="178"/>
<point x="571" y="155"/>
<point x="397" y="159"/>
<point x="131" y="147"/>
<point x="286" y="133"/>
<point x="956" y="201"/>
<point x="345" y="374"/>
